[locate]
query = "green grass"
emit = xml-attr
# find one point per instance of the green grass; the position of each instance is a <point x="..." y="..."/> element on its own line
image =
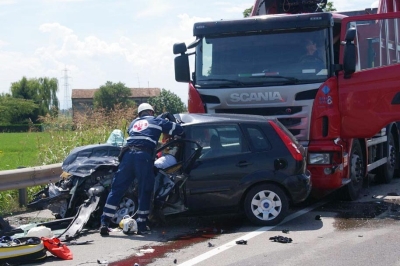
<point x="52" y="146"/>
<point x="21" y="149"/>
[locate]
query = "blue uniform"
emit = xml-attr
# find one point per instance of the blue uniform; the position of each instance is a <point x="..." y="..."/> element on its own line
<point x="144" y="133"/>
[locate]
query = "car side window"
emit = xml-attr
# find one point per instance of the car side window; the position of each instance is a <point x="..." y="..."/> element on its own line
<point x="219" y="140"/>
<point x="257" y="138"/>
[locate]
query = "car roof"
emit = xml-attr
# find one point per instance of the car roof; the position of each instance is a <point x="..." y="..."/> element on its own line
<point x="189" y="119"/>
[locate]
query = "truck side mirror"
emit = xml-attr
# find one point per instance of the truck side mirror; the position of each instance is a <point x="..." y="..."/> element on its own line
<point x="179" y="48"/>
<point x="349" y="58"/>
<point x="182" y="73"/>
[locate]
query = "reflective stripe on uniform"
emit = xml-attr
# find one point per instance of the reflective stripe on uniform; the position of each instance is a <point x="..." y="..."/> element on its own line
<point x="155" y="126"/>
<point x="140" y="220"/>
<point x="143" y="212"/>
<point x="112" y="207"/>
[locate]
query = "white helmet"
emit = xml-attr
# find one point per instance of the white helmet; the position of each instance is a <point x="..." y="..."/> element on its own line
<point x="143" y="107"/>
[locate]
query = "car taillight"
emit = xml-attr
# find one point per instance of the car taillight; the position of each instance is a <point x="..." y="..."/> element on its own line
<point x="294" y="151"/>
<point x="195" y="104"/>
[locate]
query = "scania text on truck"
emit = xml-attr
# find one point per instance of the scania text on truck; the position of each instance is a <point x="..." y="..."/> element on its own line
<point x="341" y="102"/>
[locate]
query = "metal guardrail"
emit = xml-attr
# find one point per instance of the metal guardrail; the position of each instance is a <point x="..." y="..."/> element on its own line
<point x="30" y="176"/>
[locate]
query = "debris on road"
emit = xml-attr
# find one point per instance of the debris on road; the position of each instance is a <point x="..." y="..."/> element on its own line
<point x="318" y="217"/>
<point x="285" y="231"/>
<point x="241" y="242"/>
<point x="148" y="250"/>
<point x="71" y="243"/>
<point x="281" y="239"/>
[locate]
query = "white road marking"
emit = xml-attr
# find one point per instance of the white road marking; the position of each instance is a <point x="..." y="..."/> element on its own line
<point x="248" y="236"/>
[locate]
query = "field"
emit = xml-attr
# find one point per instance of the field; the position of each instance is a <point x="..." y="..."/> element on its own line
<point x="21" y="149"/>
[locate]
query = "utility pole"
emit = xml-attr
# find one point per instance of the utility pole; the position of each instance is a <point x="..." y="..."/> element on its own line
<point x="67" y="94"/>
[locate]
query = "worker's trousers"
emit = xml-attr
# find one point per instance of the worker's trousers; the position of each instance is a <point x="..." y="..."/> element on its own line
<point x="134" y="164"/>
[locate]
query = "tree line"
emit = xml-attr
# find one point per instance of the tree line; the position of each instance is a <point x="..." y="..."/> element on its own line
<point x="30" y="99"/>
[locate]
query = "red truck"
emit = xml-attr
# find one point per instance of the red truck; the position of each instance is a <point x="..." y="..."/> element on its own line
<point x="341" y="101"/>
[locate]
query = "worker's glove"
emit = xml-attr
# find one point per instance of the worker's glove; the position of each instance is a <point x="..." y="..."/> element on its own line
<point x="167" y="116"/>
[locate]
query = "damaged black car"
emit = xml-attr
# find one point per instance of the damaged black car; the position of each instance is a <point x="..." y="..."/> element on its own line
<point x="225" y="164"/>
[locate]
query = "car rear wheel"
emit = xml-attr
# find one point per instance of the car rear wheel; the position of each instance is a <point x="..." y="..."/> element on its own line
<point x="266" y="205"/>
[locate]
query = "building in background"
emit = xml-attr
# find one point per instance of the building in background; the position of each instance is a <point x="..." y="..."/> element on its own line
<point x="83" y="98"/>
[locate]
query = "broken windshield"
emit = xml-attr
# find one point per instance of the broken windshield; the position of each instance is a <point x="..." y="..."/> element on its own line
<point x="271" y="59"/>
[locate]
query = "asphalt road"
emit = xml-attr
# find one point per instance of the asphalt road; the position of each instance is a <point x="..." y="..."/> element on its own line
<point x="363" y="232"/>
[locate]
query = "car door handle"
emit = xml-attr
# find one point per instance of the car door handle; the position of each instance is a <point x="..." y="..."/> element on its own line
<point x="243" y="164"/>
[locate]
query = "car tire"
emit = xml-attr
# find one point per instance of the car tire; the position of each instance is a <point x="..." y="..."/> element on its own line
<point x="128" y="206"/>
<point x="266" y="205"/>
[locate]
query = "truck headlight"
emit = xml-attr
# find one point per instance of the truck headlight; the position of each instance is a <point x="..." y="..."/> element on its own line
<point x="319" y="158"/>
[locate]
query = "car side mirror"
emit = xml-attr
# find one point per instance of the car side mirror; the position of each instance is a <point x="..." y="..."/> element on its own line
<point x="349" y="58"/>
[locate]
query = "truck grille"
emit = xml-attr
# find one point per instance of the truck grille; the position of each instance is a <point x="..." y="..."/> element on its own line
<point x="294" y="118"/>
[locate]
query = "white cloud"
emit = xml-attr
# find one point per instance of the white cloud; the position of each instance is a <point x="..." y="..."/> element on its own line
<point x="55" y="28"/>
<point x="346" y="5"/>
<point x="154" y="8"/>
<point x="52" y="1"/>
<point x="3" y="43"/>
<point x="7" y="2"/>
<point x="375" y="4"/>
<point x="186" y="22"/>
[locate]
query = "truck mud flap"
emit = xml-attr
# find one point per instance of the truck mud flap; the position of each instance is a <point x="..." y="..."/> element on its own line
<point x="80" y="219"/>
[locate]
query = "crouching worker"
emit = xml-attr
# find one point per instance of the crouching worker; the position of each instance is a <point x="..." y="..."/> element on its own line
<point x="138" y="162"/>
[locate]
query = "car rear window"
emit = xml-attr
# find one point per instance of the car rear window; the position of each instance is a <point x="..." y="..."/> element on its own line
<point x="257" y="138"/>
<point x="219" y="140"/>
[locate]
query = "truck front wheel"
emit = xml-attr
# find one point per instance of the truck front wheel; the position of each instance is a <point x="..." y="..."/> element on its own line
<point x="357" y="172"/>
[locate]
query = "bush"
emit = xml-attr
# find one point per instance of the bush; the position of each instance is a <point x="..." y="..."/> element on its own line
<point x="89" y="127"/>
<point x="13" y="128"/>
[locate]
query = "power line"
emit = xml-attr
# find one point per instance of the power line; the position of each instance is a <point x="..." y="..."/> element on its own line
<point x="67" y="94"/>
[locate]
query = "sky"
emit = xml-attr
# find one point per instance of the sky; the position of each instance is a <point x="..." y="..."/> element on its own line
<point x="85" y="43"/>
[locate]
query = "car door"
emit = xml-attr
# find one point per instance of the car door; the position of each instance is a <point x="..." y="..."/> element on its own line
<point x="370" y="98"/>
<point x="214" y="180"/>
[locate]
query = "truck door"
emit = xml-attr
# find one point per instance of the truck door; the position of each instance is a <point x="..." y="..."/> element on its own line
<point x="370" y="98"/>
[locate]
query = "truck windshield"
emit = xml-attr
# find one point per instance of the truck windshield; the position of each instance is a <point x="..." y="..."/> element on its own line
<point x="263" y="59"/>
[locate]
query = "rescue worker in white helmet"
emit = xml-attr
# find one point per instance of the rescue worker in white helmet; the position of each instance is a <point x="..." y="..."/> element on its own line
<point x="137" y="161"/>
